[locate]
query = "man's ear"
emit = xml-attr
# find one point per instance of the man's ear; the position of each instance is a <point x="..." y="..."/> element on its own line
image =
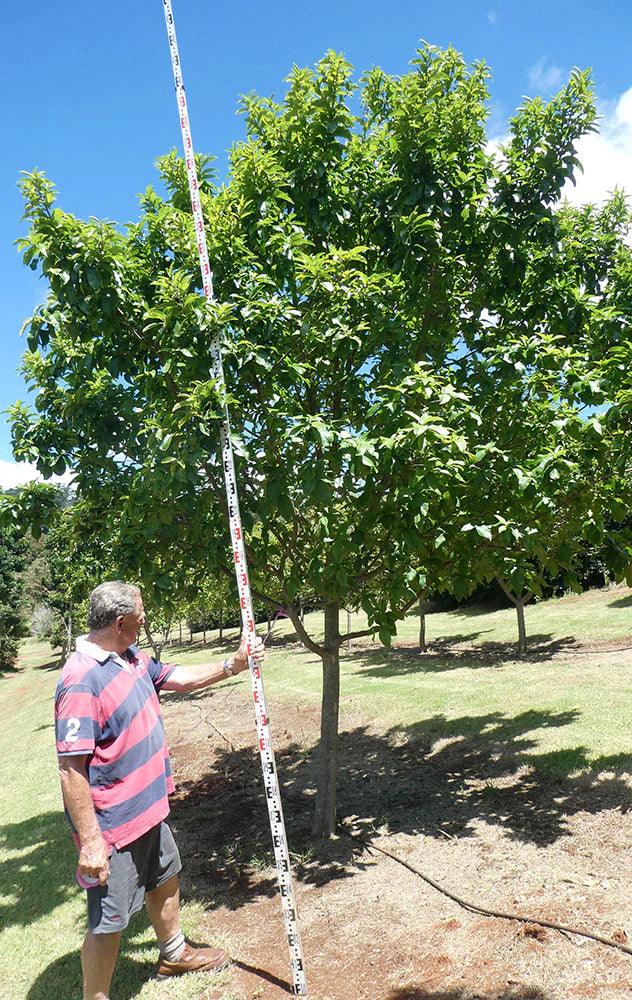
<point x="119" y="624"/>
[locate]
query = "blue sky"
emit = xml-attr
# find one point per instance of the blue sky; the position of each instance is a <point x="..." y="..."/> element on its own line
<point x="89" y="96"/>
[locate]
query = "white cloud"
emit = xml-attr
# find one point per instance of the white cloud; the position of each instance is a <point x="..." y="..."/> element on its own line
<point x="545" y="76"/>
<point x="492" y="16"/>
<point x="606" y="156"/>
<point x="18" y="473"/>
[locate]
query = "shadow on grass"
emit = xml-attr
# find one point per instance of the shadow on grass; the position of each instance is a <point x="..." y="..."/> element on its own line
<point x="438" y="778"/>
<point x="55" y="664"/>
<point x="621" y="602"/>
<point x="56" y="981"/>
<point x="38" y="875"/>
<point x="444" y="654"/>
<point x="11" y="671"/>
<point x="511" y="993"/>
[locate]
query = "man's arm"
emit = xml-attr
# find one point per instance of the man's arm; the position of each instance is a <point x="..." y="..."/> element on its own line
<point x="93" y="855"/>
<point x="200" y="675"/>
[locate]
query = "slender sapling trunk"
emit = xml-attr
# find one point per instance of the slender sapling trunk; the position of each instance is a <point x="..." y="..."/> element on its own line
<point x="519" y="604"/>
<point x="325" y="814"/>
<point x="422" y="628"/>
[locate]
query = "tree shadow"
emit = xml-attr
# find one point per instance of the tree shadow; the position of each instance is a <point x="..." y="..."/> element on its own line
<point x="511" y="993"/>
<point x="444" y="653"/>
<point x="480" y="608"/>
<point x="438" y="778"/>
<point x="38" y="874"/>
<point x="621" y="602"/>
<point x="50" y="665"/>
<point x="11" y="671"/>
<point x="130" y="975"/>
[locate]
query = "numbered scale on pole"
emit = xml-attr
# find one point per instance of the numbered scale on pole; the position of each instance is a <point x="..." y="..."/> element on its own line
<point x="268" y="765"/>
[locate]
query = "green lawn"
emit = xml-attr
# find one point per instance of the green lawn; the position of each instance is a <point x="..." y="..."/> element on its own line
<point x="576" y="708"/>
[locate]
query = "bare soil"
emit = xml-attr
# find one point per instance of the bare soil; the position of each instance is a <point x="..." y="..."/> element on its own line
<point x="458" y="805"/>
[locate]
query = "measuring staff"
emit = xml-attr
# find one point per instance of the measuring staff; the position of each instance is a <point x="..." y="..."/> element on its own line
<point x="273" y="795"/>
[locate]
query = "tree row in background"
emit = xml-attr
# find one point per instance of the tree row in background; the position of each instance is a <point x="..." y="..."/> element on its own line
<point x="12" y="625"/>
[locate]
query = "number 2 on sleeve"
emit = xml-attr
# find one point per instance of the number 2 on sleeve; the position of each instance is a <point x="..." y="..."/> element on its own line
<point x="72" y="730"/>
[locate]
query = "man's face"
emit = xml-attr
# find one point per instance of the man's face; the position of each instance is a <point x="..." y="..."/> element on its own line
<point x="129" y="626"/>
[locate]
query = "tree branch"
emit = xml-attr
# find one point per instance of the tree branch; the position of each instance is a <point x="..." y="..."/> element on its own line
<point x="357" y="635"/>
<point x="295" y="618"/>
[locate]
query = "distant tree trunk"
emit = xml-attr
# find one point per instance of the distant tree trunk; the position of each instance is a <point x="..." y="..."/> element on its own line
<point x="519" y="604"/>
<point x="66" y="648"/>
<point x="180" y="633"/>
<point x="422" y="628"/>
<point x="191" y="633"/>
<point x="302" y="610"/>
<point x="268" y="621"/>
<point x="325" y="814"/>
<point x="204" y="632"/>
<point x="348" y="629"/>
<point x="158" y="645"/>
<point x="522" y="631"/>
<point x="221" y="624"/>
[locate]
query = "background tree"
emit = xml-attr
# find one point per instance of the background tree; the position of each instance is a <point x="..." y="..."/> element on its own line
<point x="370" y="267"/>
<point x="12" y="624"/>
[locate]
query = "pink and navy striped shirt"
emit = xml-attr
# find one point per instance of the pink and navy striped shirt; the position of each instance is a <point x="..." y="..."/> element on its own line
<point x="106" y="706"/>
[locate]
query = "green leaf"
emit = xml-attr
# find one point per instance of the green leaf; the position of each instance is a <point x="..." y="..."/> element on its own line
<point x="484" y="531"/>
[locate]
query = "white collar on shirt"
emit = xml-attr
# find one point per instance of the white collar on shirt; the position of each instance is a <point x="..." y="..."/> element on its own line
<point x="83" y="645"/>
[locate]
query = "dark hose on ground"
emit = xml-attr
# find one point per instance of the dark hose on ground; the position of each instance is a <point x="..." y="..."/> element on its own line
<point x="475" y="908"/>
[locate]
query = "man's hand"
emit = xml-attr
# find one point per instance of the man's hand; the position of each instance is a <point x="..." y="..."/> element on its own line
<point x="94" y="859"/>
<point x="239" y="661"/>
<point x="199" y="675"/>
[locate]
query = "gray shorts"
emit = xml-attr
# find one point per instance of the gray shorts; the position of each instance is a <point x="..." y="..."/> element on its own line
<point x="135" y="869"/>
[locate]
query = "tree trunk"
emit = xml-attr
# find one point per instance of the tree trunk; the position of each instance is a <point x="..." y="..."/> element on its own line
<point x="325" y="814"/>
<point x="159" y="646"/>
<point x="268" y="621"/>
<point x="348" y="630"/>
<point x="522" y="632"/>
<point x="156" y="647"/>
<point x="302" y="610"/>
<point x="422" y="629"/>
<point x="519" y="604"/>
<point x="204" y="633"/>
<point x="191" y="634"/>
<point x="221" y="626"/>
<point x="180" y="633"/>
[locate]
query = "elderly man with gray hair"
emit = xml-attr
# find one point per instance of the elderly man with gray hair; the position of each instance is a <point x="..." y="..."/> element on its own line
<point x="116" y="779"/>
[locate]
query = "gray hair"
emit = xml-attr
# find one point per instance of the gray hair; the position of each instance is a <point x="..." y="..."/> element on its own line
<point x="108" y="601"/>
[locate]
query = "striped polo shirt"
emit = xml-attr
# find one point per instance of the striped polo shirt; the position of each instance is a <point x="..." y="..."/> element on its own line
<point x="106" y="706"/>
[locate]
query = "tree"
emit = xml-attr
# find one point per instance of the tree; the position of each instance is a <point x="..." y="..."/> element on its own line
<point x="12" y="551"/>
<point x="366" y="264"/>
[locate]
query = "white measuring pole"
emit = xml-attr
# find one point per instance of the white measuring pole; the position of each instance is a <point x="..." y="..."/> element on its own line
<point x="268" y="765"/>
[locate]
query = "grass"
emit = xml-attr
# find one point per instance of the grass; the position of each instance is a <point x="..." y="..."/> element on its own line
<point x="446" y="693"/>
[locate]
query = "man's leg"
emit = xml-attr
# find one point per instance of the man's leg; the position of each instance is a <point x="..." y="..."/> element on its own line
<point x="176" y="956"/>
<point x="98" y="958"/>
<point x="163" y="908"/>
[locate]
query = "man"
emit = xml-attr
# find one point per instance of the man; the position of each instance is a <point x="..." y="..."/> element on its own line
<point x="116" y="776"/>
